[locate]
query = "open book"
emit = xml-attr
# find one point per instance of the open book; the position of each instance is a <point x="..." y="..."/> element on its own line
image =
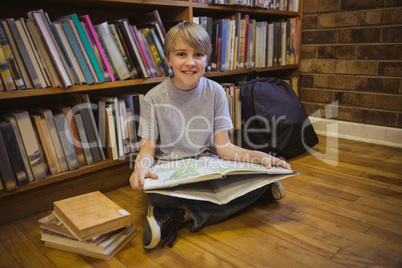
<point x="212" y="179"/>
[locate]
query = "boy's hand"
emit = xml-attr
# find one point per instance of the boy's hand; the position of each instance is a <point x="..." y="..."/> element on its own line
<point x="268" y="161"/>
<point x="138" y="176"/>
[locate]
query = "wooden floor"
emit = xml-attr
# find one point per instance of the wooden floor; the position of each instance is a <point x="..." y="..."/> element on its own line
<point x="346" y="212"/>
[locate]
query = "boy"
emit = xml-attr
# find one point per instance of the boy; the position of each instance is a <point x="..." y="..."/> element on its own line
<point x="187" y="116"/>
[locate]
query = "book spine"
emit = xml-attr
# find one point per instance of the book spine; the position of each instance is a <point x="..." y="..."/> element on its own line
<point x="84" y="140"/>
<point x="14" y="152"/>
<point x="8" y="54"/>
<point x="66" y="141"/>
<point x="88" y="47"/>
<point x="24" y="53"/>
<point x="30" y="144"/>
<point x="86" y="19"/>
<point x="6" y="170"/>
<point x="77" y="52"/>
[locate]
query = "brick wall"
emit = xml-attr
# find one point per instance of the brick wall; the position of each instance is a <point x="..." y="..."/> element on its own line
<point x="352" y="53"/>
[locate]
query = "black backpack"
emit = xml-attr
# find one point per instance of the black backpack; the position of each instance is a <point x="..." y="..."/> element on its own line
<point x="275" y="119"/>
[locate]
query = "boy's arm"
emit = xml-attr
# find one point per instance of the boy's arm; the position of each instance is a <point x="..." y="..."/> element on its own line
<point x="143" y="163"/>
<point x="227" y="150"/>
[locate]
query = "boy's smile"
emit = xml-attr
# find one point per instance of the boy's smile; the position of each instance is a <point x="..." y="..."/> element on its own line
<point x="188" y="65"/>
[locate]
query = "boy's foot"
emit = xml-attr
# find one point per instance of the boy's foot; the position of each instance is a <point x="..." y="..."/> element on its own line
<point x="161" y="223"/>
<point x="277" y="190"/>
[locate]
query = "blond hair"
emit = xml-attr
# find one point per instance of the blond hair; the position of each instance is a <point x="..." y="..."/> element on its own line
<point x="190" y="33"/>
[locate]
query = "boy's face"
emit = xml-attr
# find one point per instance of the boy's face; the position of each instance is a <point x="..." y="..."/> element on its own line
<point x="188" y="65"/>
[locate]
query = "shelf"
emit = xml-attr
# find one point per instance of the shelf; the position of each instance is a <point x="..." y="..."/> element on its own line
<point x="65" y="176"/>
<point x="86" y="88"/>
<point x="245" y="71"/>
<point x="242" y="9"/>
<point x="134" y="82"/>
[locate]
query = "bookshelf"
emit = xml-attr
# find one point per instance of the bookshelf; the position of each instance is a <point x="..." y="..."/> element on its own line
<point x="106" y="175"/>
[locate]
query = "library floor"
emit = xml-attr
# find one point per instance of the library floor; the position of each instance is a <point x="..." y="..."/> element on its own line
<point x="342" y="212"/>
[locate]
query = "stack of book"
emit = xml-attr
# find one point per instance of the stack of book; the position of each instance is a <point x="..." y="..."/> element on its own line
<point x="89" y="224"/>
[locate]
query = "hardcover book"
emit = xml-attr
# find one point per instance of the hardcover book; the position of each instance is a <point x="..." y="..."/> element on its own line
<point x="6" y="171"/>
<point x="31" y="146"/>
<point x="66" y="141"/>
<point x="17" y="56"/>
<point x="211" y="179"/>
<point x="15" y="153"/>
<point x="86" y="44"/>
<point x="92" y="214"/>
<point x="104" y="250"/>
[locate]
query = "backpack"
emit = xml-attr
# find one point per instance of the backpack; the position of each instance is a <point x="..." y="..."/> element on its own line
<point x="275" y="119"/>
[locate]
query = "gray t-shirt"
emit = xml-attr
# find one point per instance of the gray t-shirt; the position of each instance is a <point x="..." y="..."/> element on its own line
<point x="184" y="122"/>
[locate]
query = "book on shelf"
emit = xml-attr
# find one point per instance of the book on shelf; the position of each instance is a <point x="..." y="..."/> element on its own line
<point x="7" y="176"/>
<point x="123" y="49"/>
<point x="133" y="103"/>
<point x="43" y="24"/>
<point x="46" y="144"/>
<point x="48" y="66"/>
<point x="112" y="103"/>
<point x="7" y="117"/>
<point x="5" y="73"/>
<point x="81" y="37"/>
<point x="97" y="47"/>
<point x="78" y="53"/>
<point x="17" y="56"/>
<point x="77" y="75"/>
<point x="211" y="179"/>
<point x="92" y="214"/>
<point x="47" y="116"/>
<point x="34" y="53"/>
<point x="82" y="103"/>
<point x="145" y="19"/>
<point x="15" y="153"/>
<point x="110" y="130"/>
<point x="116" y="60"/>
<point x="132" y="46"/>
<point x="66" y="141"/>
<point x="84" y="139"/>
<point x="25" y="55"/>
<point x="29" y="142"/>
<point x="73" y="131"/>
<point x="149" y="72"/>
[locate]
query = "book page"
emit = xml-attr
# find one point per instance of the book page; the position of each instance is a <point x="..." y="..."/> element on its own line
<point x="205" y="168"/>
<point x="221" y="191"/>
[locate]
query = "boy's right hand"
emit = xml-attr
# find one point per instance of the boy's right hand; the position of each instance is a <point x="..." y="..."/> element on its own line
<point x="138" y="176"/>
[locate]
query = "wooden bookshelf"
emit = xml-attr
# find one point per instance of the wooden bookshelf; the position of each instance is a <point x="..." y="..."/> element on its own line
<point x="106" y="175"/>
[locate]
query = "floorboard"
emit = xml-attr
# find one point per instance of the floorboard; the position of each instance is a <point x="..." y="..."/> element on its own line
<point x="343" y="210"/>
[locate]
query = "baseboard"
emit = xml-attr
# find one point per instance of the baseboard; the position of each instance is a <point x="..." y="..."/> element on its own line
<point x="360" y="132"/>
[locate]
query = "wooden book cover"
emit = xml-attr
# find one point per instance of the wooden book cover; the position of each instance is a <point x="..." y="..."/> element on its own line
<point x="90" y="215"/>
<point x="14" y="153"/>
